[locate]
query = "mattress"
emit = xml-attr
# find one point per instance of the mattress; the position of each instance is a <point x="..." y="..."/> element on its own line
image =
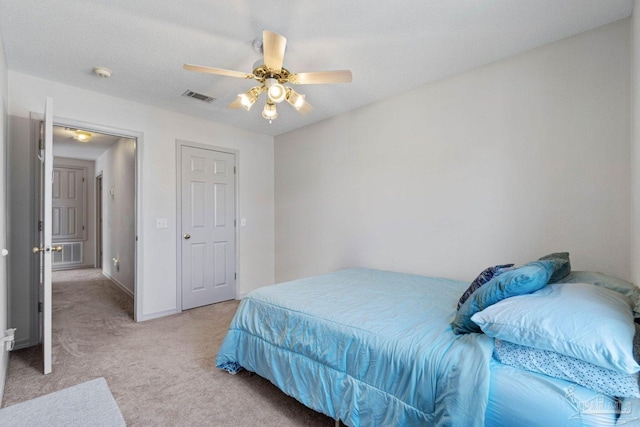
<point x="518" y="398"/>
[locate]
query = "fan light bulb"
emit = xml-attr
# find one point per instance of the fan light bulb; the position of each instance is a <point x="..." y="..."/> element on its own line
<point x="270" y="112"/>
<point x="248" y="99"/>
<point x="295" y="99"/>
<point x="277" y="93"/>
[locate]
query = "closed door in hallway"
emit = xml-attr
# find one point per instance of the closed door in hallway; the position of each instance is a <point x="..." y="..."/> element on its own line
<point x="68" y="203"/>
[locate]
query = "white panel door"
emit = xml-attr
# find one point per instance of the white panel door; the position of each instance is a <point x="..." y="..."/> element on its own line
<point x="68" y="204"/>
<point x="44" y="248"/>
<point x="208" y="226"/>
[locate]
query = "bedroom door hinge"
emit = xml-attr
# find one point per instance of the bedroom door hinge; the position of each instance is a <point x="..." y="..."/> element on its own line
<point x="39" y="225"/>
<point x="235" y="276"/>
<point x="39" y="307"/>
<point x="234" y="170"/>
<point x="234" y="222"/>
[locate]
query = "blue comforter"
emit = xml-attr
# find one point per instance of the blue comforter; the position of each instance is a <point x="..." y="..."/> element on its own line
<point x="369" y="347"/>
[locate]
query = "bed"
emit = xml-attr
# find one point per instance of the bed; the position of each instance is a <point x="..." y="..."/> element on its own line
<point x="377" y="348"/>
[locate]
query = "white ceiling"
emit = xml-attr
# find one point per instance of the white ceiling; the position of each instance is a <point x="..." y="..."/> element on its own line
<point x="391" y="47"/>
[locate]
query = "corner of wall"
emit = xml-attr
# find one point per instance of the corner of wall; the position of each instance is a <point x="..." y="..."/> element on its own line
<point x="635" y="143"/>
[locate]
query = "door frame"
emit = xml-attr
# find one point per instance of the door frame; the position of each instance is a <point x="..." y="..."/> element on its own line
<point x="97" y="192"/>
<point x="138" y="295"/>
<point x="236" y="158"/>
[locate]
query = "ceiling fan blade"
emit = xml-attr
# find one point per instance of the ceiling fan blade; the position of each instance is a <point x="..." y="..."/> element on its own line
<point x="235" y="104"/>
<point x="273" y="46"/>
<point x="321" y="77"/>
<point x="219" y="71"/>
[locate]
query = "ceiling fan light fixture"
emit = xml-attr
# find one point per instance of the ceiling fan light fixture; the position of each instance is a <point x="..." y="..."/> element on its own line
<point x="273" y="78"/>
<point x="269" y="111"/>
<point x="277" y="93"/>
<point x="295" y="99"/>
<point x="83" y="136"/>
<point x="248" y="98"/>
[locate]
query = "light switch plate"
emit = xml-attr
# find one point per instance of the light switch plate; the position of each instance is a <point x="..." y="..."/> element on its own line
<point x="161" y="223"/>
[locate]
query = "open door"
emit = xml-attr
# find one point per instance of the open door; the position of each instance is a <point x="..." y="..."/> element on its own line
<point x="44" y="249"/>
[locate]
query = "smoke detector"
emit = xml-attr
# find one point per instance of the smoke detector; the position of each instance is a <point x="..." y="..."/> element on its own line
<point x="102" y="72"/>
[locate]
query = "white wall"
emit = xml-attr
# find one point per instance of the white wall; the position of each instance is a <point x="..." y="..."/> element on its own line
<point x="635" y="159"/>
<point x="117" y="166"/>
<point x="504" y="163"/>
<point x="4" y="359"/>
<point x="160" y="129"/>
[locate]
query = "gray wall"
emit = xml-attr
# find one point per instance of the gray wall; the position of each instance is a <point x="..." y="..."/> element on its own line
<point x="22" y="237"/>
<point x="117" y="166"/>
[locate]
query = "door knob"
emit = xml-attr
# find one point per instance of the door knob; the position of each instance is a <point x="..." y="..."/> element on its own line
<point x="37" y="249"/>
<point x="57" y="248"/>
<point x="187" y="236"/>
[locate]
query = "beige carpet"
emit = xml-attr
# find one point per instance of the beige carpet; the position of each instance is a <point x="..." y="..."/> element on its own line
<point x="161" y="372"/>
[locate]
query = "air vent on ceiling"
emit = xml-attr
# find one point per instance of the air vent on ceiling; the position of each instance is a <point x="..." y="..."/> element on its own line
<point x="198" y="96"/>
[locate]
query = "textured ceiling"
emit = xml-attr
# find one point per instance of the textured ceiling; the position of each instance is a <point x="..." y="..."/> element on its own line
<point x="391" y="47"/>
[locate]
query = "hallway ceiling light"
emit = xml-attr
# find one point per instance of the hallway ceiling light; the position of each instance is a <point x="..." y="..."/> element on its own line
<point x="83" y="136"/>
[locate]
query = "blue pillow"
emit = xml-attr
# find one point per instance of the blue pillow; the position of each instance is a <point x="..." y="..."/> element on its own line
<point x="558" y="365"/>
<point x="522" y="280"/>
<point x="486" y="275"/>
<point x="562" y="265"/>
<point x="623" y="287"/>
<point x="578" y="320"/>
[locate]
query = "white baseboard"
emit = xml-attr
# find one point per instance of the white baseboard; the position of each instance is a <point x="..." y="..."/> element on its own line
<point x="158" y="314"/>
<point x="24" y="343"/>
<point x="71" y="267"/>
<point x="119" y="285"/>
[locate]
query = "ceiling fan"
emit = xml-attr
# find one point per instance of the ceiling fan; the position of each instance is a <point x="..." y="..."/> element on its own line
<point x="273" y="77"/>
